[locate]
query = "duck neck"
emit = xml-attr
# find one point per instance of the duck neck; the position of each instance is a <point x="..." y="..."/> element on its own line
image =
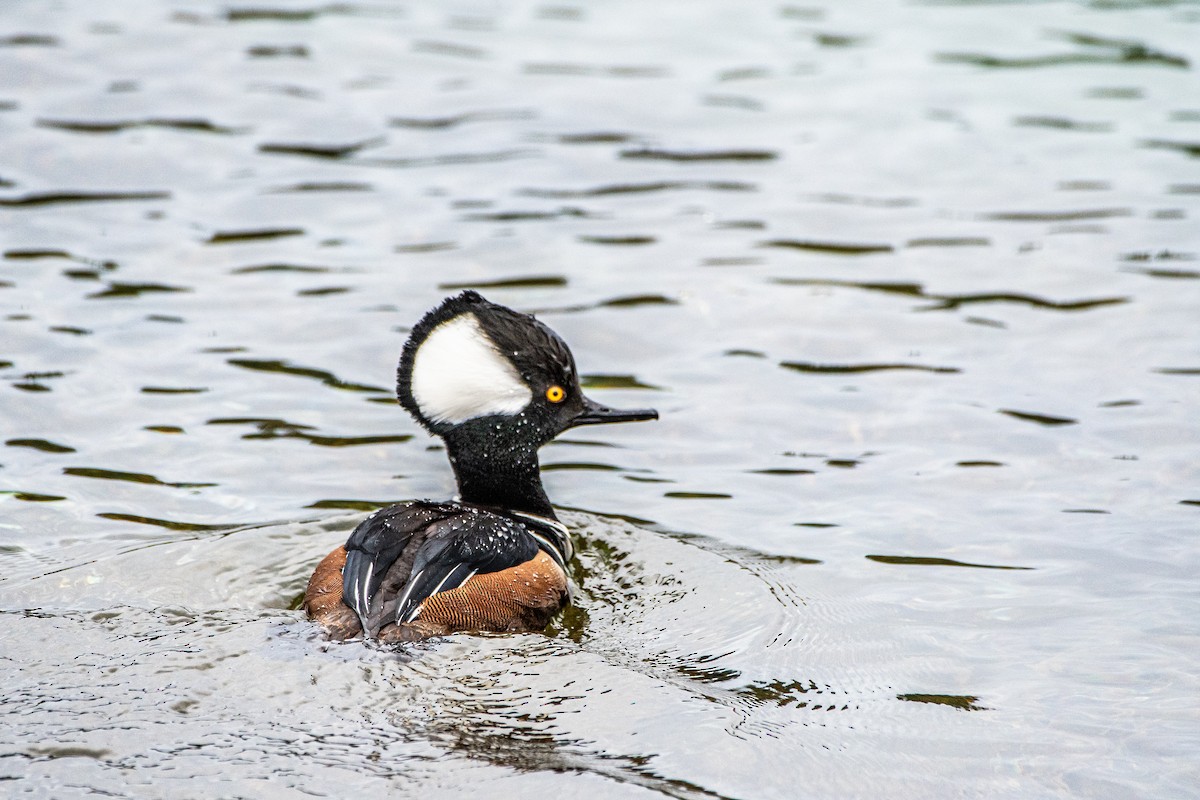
<point x="495" y="475"/>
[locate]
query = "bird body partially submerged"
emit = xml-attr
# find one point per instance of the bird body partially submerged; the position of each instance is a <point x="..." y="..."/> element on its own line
<point x="495" y="385"/>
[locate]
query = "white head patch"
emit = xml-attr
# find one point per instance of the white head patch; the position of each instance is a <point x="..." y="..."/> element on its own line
<point x="458" y="374"/>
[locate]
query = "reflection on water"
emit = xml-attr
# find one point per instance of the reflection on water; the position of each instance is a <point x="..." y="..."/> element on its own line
<point x="913" y="286"/>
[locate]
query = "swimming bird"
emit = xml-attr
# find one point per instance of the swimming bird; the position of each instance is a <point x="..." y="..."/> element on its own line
<point x="495" y="385"/>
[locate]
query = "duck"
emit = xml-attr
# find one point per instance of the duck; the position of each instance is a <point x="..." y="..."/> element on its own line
<point x="494" y="385"/>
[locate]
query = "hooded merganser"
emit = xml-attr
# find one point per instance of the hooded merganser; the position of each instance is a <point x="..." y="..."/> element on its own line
<point x="495" y="385"/>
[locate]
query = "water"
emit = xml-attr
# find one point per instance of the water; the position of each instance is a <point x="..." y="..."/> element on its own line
<point x="914" y="287"/>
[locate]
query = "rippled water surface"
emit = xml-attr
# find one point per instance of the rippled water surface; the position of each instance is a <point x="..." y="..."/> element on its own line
<point x="914" y="286"/>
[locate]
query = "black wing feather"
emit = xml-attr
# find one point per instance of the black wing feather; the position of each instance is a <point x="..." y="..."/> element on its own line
<point x="401" y="555"/>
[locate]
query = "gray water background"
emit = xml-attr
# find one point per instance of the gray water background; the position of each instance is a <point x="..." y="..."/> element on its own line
<point x="914" y="286"/>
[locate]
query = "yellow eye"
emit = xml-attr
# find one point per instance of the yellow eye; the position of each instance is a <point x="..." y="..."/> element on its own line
<point x="555" y="394"/>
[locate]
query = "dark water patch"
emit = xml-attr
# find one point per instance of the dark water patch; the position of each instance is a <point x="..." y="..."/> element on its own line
<point x="173" y="525"/>
<point x="1057" y="216"/>
<point x="737" y="101"/>
<point x="611" y="381"/>
<point x="937" y="562"/>
<point x="130" y="477"/>
<point x="163" y="428"/>
<point x="190" y="124"/>
<point x="956" y="301"/>
<point x="845" y="369"/>
<point x="324" y="186"/>
<point x="1177" y="370"/>
<point x="697" y="156"/>
<point x="1062" y="124"/>
<point x="252" y="235"/>
<point x="352" y="505"/>
<point x="1169" y="213"/>
<point x="950" y="241"/>
<point x="1115" y="93"/>
<point x="842" y="463"/>
<point x="525" y="216"/>
<point x="277" y="51"/>
<point x="1189" y="502"/>
<point x="837" y="40"/>
<point x="1120" y="404"/>
<point x="819" y="525"/>
<point x="40" y="444"/>
<point x="580" y="466"/>
<point x="568" y="69"/>
<point x="700" y="673"/>
<point x="29" y="40"/>
<point x="424" y="247"/>
<point x="323" y="291"/>
<point x="602" y="137"/>
<point x="641" y="188"/>
<point x="268" y="14"/>
<point x="125" y="289"/>
<point x="859" y="200"/>
<point x="886" y="287"/>
<point x="35" y="254"/>
<point x="354" y="441"/>
<point x="1084" y="186"/>
<point x="561" y="13"/>
<point x="322" y="151"/>
<point x="298" y="268"/>
<point x="165" y="318"/>
<point x="32" y="497"/>
<point x="450" y="49"/>
<point x="68" y="329"/>
<point x="453" y="121"/>
<point x="797" y="694"/>
<point x="1171" y="274"/>
<point x="1185" y="115"/>
<point x="82" y="274"/>
<point x="979" y="463"/>
<point x="781" y="471"/>
<point x="741" y="353"/>
<point x="39" y="199"/>
<point x="627" y="241"/>
<point x="834" y="248"/>
<point x="634" y="300"/>
<point x="1187" y="148"/>
<point x="30" y="386"/>
<point x="730" y="261"/>
<point x="698" y="495"/>
<point x="97" y="753"/>
<point x="740" y="225"/>
<point x="646" y="479"/>
<point x="266" y="428"/>
<point x="450" y="159"/>
<point x="1041" y="419"/>
<point x="567" y="441"/>
<point x="742" y="74"/>
<point x="1098" y="50"/>
<point x="522" y="282"/>
<point x="287" y="90"/>
<point x="1085" y="511"/>
<point x="173" y="390"/>
<point x="963" y="702"/>
<point x="284" y="368"/>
